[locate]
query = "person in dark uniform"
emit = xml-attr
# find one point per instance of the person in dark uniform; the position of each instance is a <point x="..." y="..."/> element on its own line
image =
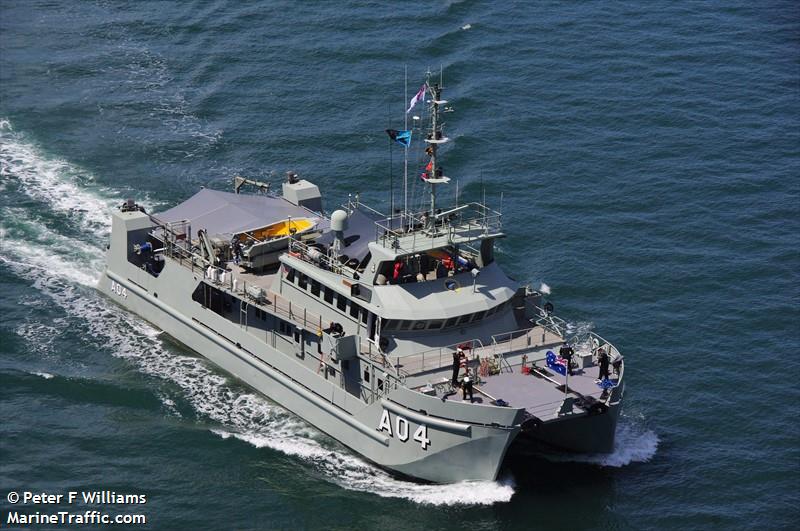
<point x="456" y="364"/>
<point x="466" y="387"/>
<point x="566" y="352"/>
<point x="237" y="250"/>
<point x="602" y="359"/>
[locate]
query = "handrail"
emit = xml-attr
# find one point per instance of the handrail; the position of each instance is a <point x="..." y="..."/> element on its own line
<point x="507" y="339"/>
<point x="302" y="249"/>
<point x="552" y="322"/>
<point x="435" y="358"/>
<point x="471" y="220"/>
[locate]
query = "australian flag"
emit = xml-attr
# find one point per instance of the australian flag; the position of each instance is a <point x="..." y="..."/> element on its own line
<point x="557" y="363"/>
<point x="401" y="137"/>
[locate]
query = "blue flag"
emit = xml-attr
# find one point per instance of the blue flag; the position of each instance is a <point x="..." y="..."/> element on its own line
<point x="401" y="137"/>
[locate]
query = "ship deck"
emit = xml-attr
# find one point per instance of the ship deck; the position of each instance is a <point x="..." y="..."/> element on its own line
<point x="262" y="280"/>
<point x="541" y="397"/>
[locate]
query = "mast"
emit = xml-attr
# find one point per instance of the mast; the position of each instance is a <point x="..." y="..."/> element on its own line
<point x="405" y="155"/>
<point x="435" y="137"/>
<point x="437" y="92"/>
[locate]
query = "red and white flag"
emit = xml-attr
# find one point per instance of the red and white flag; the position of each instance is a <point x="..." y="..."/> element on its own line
<point x="416" y="99"/>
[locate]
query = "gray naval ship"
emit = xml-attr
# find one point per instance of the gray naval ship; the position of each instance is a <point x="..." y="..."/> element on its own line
<point x="398" y="335"/>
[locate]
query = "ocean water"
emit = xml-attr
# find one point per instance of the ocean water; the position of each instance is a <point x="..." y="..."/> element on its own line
<point x="646" y="157"/>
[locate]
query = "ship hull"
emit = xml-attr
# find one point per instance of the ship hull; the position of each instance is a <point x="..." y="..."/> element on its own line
<point x="457" y="450"/>
<point x="581" y="434"/>
<point x="414" y="434"/>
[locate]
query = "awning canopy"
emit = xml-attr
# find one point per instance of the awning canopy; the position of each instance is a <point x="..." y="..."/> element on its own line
<point x="225" y="213"/>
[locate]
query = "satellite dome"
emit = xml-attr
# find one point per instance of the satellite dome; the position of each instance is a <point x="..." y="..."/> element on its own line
<point x="339" y="220"/>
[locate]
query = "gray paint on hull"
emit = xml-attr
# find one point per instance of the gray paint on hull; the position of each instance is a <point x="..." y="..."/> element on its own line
<point x="467" y="441"/>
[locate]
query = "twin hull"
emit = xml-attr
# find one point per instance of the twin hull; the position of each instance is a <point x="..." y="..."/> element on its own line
<point x="386" y="432"/>
<point x="410" y="433"/>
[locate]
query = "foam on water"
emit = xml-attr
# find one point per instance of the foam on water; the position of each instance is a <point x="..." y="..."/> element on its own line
<point x="52" y="181"/>
<point x="146" y="73"/>
<point x="32" y="245"/>
<point x="45" y="375"/>
<point x="40" y="336"/>
<point x="351" y="472"/>
<point x="634" y="443"/>
<point x="64" y="188"/>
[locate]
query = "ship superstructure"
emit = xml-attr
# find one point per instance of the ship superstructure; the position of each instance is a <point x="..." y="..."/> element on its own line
<point x="370" y="326"/>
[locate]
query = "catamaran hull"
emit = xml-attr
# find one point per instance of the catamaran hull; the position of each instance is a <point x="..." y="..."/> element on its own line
<point x="455" y="451"/>
<point x="583" y="433"/>
<point x="360" y="405"/>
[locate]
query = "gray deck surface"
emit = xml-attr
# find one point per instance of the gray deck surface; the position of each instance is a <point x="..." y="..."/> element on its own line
<point x="539" y="396"/>
<point x="263" y="280"/>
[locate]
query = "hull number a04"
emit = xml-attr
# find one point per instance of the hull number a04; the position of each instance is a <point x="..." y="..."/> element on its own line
<point x="120" y="290"/>
<point x="400" y="429"/>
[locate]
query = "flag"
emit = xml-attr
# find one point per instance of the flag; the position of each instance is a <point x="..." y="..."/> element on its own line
<point x="401" y="137"/>
<point x="426" y="173"/>
<point x="416" y="99"/>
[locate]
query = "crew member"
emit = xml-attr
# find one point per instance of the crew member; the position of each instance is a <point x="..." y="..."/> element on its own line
<point x="456" y="364"/>
<point x="603" y="360"/>
<point x="616" y="363"/>
<point x="566" y="352"/>
<point x="466" y="387"/>
<point x="398" y="271"/>
<point x="237" y="251"/>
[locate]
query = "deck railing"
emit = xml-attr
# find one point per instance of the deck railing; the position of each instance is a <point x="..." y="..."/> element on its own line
<point x="435" y="358"/>
<point x="318" y="258"/>
<point x="519" y="341"/>
<point x="502" y="346"/>
<point x="467" y="222"/>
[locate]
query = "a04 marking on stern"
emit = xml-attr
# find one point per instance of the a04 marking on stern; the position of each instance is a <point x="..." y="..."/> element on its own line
<point x="400" y="429"/>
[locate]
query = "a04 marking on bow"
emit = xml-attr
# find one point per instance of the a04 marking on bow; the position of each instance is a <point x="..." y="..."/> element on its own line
<point x="401" y="429"/>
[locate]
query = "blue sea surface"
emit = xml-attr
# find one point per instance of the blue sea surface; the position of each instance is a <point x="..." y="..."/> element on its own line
<point x="646" y="158"/>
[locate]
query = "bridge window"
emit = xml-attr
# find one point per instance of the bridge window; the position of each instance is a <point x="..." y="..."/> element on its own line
<point x="314" y="287"/>
<point x="290" y="275"/>
<point x="405" y="325"/>
<point x="302" y="281"/>
<point x="435" y="325"/>
<point x="450" y="322"/>
<point x="341" y="302"/>
<point x="464" y="319"/>
<point x="354" y="309"/>
<point x="328" y="295"/>
<point x="419" y="325"/>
